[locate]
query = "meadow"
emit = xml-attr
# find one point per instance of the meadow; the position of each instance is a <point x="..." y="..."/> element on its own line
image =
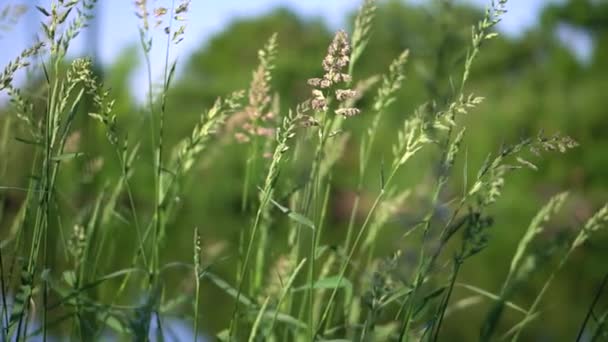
<point x="381" y="182"/>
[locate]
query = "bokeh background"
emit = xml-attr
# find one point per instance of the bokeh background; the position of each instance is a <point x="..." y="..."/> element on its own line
<point x="547" y="71"/>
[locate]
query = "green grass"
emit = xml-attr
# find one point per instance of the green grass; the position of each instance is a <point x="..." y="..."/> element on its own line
<point x="288" y="277"/>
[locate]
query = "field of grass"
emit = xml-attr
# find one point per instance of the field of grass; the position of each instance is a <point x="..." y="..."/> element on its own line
<point x="95" y="244"/>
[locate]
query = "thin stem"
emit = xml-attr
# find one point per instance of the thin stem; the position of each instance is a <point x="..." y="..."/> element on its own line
<point x="353" y="249"/>
<point x="4" y="298"/>
<point x="540" y="295"/>
<point x="254" y="231"/>
<point x="422" y="271"/>
<point x="598" y="294"/>
<point x="446" y="301"/>
<point x="196" y="303"/>
<point x="159" y="224"/>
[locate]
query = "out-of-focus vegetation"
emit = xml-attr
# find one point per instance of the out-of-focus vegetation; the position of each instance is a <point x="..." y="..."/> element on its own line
<point x="533" y="83"/>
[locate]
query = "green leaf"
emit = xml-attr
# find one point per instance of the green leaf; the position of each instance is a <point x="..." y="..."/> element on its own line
<point x="492" y="296"/>
<point x="398" y="294"/>
<point x="428" y="298"/>
<point x="287" y="287"/>
<point x="116" y="325"/>
<point x="223" y="335"/>
<point x="173" y="305"/>
<point x="229" y="289"/>
<point x="67" y="156"/>
<point x="64" y="16"/>
<point x="29" y="142"/>
<point x="258" y="319"/>
<point x="95" y="283"/>
<point x="69" y="277"/>
<point x="299" y="218"/>
<point x="43" y="11"/>
<point x="332" y="282"/>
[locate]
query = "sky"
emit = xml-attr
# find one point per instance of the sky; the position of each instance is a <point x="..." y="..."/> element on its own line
<point x="207" y="17"/>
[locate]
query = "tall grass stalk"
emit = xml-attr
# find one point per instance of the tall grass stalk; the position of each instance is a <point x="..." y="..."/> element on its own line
<point x="285" y="134"/>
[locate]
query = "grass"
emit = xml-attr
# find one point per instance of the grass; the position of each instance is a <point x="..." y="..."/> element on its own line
<point x="53" y="263"/>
